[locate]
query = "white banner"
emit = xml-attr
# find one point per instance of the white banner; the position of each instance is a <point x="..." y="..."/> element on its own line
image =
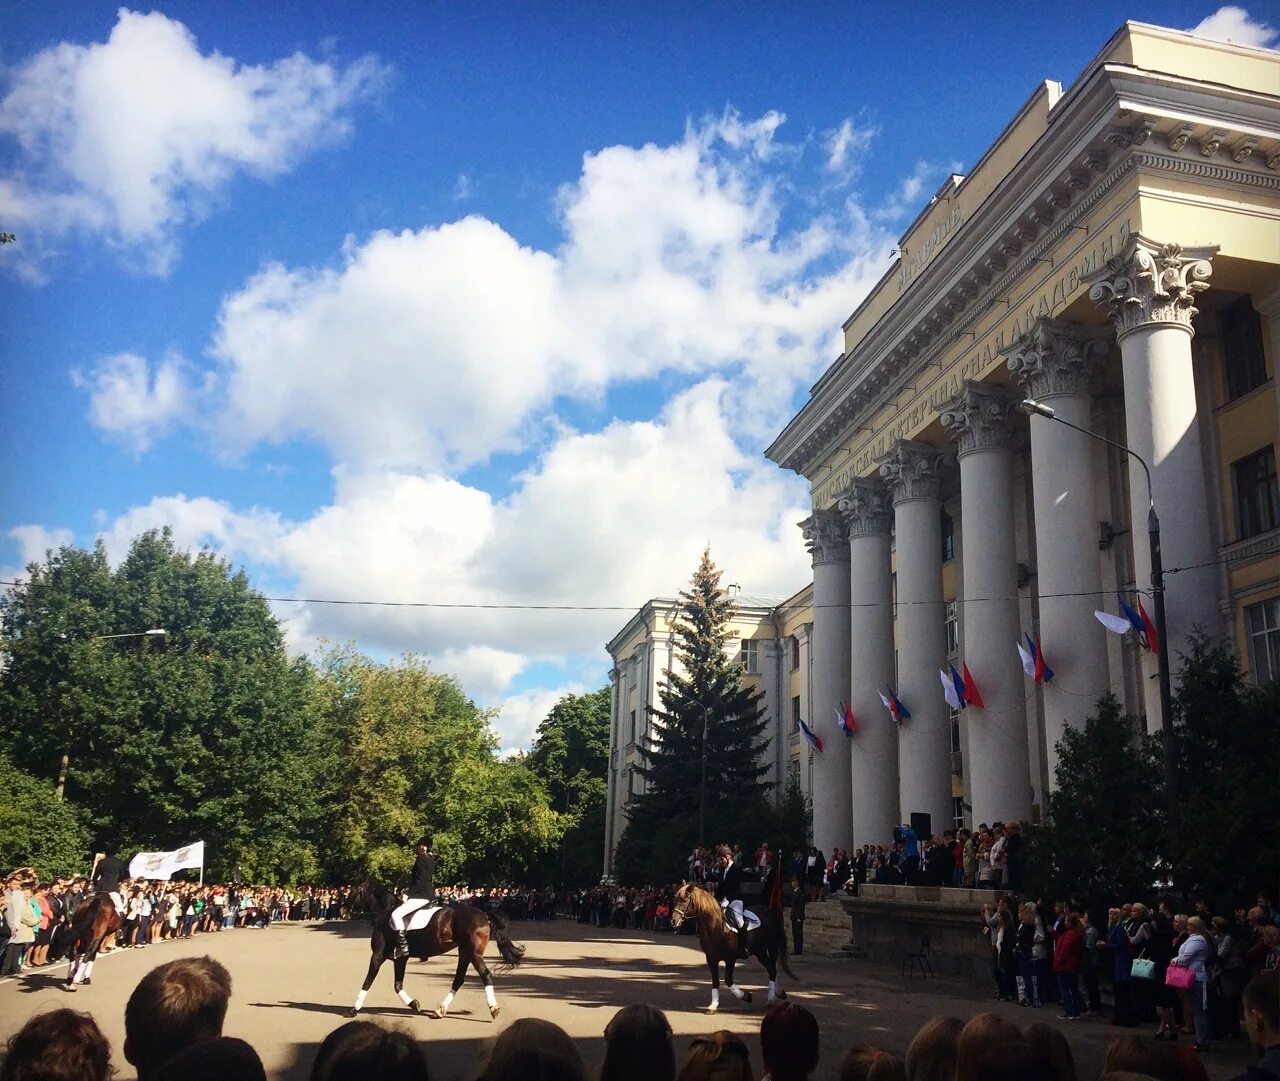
<point x="161" y="865"/>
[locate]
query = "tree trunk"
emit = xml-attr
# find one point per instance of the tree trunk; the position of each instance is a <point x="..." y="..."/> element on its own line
<point x="63" y="764"/>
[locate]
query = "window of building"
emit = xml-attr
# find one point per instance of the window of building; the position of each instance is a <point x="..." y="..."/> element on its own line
<point x="631" y="784"/>
<point x="795" y="714"/>
<point x="633" y="727"/>
<point x="750" y="656"/>
<point x="948" y="537"/>
<point x="957" y="812"/>
<point x="1241" y="347"/>
<point x="955" y="731"/>
<point x="793" y="771"/>
<point x="951" y="615"/>
<point x="1262" y="628"/>
<point x="1257" y="493"/>
<point x="795" y="653"/>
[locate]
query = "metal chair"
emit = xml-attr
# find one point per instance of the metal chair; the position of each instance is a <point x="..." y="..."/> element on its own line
<point x="926" y="967"/>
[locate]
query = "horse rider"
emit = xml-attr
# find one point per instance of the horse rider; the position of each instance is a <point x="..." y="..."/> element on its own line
<point x="729" y="894"/>
<point x="421" y="892"/>
<point x="106" y="876"/>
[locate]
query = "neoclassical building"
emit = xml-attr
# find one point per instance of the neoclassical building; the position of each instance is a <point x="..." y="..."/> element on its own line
<point x="1114" y="256"/>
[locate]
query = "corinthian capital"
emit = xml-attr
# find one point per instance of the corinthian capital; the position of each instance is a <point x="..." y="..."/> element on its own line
<point x="912" y="470"/>
<point x="1054" y="357"/>
<point x="826" y="537"/>
<point x="978" y="418"/>
<point x="1152" y="284"/>
<point x="866" y="509"/>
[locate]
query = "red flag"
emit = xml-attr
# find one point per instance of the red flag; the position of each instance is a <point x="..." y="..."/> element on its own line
<point x="850" y="725"/>
<point x="1148" y="628"/>
<point x="775" y="890"/>
<point x="971" y="693"/>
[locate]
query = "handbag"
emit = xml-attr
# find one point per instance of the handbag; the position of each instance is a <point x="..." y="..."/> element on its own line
<point x="1143" y="968"/>
<point x="1180" y="976"/>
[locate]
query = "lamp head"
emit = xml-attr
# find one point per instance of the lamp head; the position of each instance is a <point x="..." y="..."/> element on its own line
<point x="1034" y="408"/>
<point x="158" y="632"/>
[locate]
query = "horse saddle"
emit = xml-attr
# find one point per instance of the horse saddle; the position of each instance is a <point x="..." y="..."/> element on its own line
<point x="750" y="920"/>
<point x="419" y="920"/>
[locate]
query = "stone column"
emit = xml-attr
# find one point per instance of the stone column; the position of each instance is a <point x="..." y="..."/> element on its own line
<point x="980" y="420"/>
<point x="912" y="472"/>
<point x="1150" y="289"/>
<point x="828" y="542"/>
<point x="614" y="728"/>
<point x="873" y="750"/>
<point x="1055" y="362"/>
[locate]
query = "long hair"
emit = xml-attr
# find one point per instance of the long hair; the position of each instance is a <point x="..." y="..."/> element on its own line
<point x="980" y="1035"/>
<point x="931" y="1055"/>
<point x="789" y="1042"/>
<point x="638" y="1046"/>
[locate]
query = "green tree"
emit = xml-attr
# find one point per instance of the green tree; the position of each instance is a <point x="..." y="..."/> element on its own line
<point x="1227" y="750"/>
<point x="709" y="720"/>
<point x="571" y="755"/>
<point x="200" y="736"/>
<point x="38" y="830"/>
<point x="1105" y="834"/>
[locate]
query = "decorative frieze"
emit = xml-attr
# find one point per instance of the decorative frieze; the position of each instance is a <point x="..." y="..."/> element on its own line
<point x="826" y="536"/>
<point x="1150" y="283"/>
<point x="913" y="470"/>
<point x="979" y="417"/>
<point x="1054" y="357"/>
<point x="866" y="509"/>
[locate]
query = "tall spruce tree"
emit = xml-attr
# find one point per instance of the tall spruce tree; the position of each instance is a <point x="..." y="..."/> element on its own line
<point x="705" y="693"/>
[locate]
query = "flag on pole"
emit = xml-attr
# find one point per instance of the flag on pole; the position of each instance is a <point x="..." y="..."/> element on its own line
<point x="962" y="692"/>
<point x="162" y="865"/>
<point x="1028" y="662"/>
<point x="1115" y="624"/>
<point x="844" y="719"/>
<point x="814" y="741"/>
<point x="1136" y="622"/>
<point x="1040" y="671"/>
<point x="1148" y="628"/>
<point x="972" y="695"/>
<point x="952" y="693"/>
<point x="894" y="705"/>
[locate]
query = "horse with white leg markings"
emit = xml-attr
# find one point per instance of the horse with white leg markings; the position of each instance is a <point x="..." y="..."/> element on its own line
<point x="429" y="934"/>
<point x="94" y="921"/>
<point x="768" y="942"/>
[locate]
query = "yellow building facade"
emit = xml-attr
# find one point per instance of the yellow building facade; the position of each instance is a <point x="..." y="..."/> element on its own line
<point x="1114" y="256"/>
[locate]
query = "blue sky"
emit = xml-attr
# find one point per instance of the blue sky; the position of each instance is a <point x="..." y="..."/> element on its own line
<point x="476" y="303"/>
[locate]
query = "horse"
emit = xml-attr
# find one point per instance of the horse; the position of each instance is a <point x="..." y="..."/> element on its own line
<point x="719" y="942"/>
<point x="462" y="927"/>
<point x="94" y="921"/>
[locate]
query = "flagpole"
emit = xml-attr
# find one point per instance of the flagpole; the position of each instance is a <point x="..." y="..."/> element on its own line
<point x="1034" y="408"/>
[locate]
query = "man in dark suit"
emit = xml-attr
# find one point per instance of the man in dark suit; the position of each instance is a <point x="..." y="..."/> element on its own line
<point x="797" y="915"/>
<point x="729" y="894"/>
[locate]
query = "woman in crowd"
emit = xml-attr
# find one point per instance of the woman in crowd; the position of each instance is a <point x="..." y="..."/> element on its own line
<point x="1228" y="980"/>
<point x="1193" y="954"/>
<point x="638" y="1046"/>
<point x="533" y="1048"/>
<point x="1052" y="1045"/>
<point x="1121" y="951"/>
<point x="866" y="1063"/>
<point x="1089" y="964"/>
<point x="789" y="1042"/>
<point x="720" y="1056"/>
<point x="1068" y="956"/>
<point x="932" y="1054"/>
<point x="360" y="1049"/>
<point x="982" y="1034"/>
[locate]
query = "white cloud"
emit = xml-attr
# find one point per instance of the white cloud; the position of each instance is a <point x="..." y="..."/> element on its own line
<point x="129" y="138"/>
<point x="35" y="541"/>
<point x="907" y="199"/>
<point x="435" y="349"/>
<point x="845" y="146"/>
<point x="520" y="714"/>
<point x="1237" y="25"/>
<point x="130" y="403"/>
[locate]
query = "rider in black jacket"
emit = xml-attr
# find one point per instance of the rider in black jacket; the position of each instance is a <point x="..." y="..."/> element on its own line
<point x="729" y="894"/>
<point x="421" y="892"/>
<point x="107" y="873"/>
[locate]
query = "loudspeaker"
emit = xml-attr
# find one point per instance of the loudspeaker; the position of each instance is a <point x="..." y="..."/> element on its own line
<point x="922" y="823"/>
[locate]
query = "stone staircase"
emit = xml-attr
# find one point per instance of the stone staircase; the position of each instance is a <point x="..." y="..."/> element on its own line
<point x="828" y="929"/>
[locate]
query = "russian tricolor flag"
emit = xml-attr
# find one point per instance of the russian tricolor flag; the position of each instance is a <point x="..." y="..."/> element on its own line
<point x="814" y="741"/>
<point x="960" y="691"/>
<point x="844" y="719"/>
<point x="1133" y="621"/>
<point x="1033" y="662"/>
<point x="894" y="705"/>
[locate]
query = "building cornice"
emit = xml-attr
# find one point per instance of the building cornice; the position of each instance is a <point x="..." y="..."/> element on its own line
<point x="1115" y="119"/>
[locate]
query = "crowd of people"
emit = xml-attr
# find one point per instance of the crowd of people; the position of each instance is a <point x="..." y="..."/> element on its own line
<point x="174" y="1022"/>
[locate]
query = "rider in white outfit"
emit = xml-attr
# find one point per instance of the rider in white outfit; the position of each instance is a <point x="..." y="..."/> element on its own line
<point x="421" y="892"/>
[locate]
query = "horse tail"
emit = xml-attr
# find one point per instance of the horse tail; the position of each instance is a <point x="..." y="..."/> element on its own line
<point x="511" y="953"/>
<point x="783" y="963"/>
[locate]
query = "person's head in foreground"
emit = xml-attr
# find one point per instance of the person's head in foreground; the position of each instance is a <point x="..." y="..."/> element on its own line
<point x="533" y="1050"/>
<point x="931" y="1055"/>
<point x="223" y="1058"/>
<point x="176" y="1005"/>
<point x="866" y="1063"/>
<point x="638" y="1046"/>
<point x="1052" y="1044"/>
<point x="361" y="1049"/>
<point x="60" y="1045"/>
<point x="718" y="1056"/>
<point x="789" y="1042"/>
<point x="980" y="1035"/>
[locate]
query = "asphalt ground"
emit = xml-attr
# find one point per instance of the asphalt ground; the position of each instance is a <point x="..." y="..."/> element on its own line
<point x="292" y="983"/>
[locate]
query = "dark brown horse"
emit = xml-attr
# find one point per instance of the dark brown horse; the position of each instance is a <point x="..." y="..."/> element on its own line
<point x="768" y="942"/>
<point x="460" y="927"/>
<point x="94" y="921"/>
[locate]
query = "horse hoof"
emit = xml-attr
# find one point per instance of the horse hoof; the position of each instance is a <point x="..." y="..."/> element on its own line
<point x="711" y="1009"/>
<point x="415" y="1006"/>
<point x="782" y="996"/>
<point x="351" y="1012"/>
<point x="494" y="1011"/>
<point x="440" y="1011"/>
<point x="86" y="981"/>
<point x="70" y="987"/>
<point x="746" y="996"/>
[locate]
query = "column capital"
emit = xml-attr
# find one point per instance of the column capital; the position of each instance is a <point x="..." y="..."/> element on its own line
<point x="826" y="537"/>
<point x="1054" y="357"/>
<point x="913" y="470"/>
<point x="866" y="508"/>
<point x="1151" y="284"/>
<point x="979" y="417"/>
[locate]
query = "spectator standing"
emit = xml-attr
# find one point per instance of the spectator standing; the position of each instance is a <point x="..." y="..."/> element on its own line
<point x="1068" y="956"/>
<point x="797" y="916"/>
<point x="21" y="921"/>
<point x="815" y="870"/>
<point x="1089" y="964"/>
<point x="1121" y="951"/>
<point x="1193" y="954"/>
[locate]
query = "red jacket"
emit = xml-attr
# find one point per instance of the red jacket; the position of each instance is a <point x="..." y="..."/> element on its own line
<point x="1068" y="951"/>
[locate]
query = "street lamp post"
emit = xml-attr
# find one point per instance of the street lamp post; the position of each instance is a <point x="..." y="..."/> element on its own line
<point x="1035" y="408"/>
<point x="702" y="787"/>
<point x="64" y="763"/>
